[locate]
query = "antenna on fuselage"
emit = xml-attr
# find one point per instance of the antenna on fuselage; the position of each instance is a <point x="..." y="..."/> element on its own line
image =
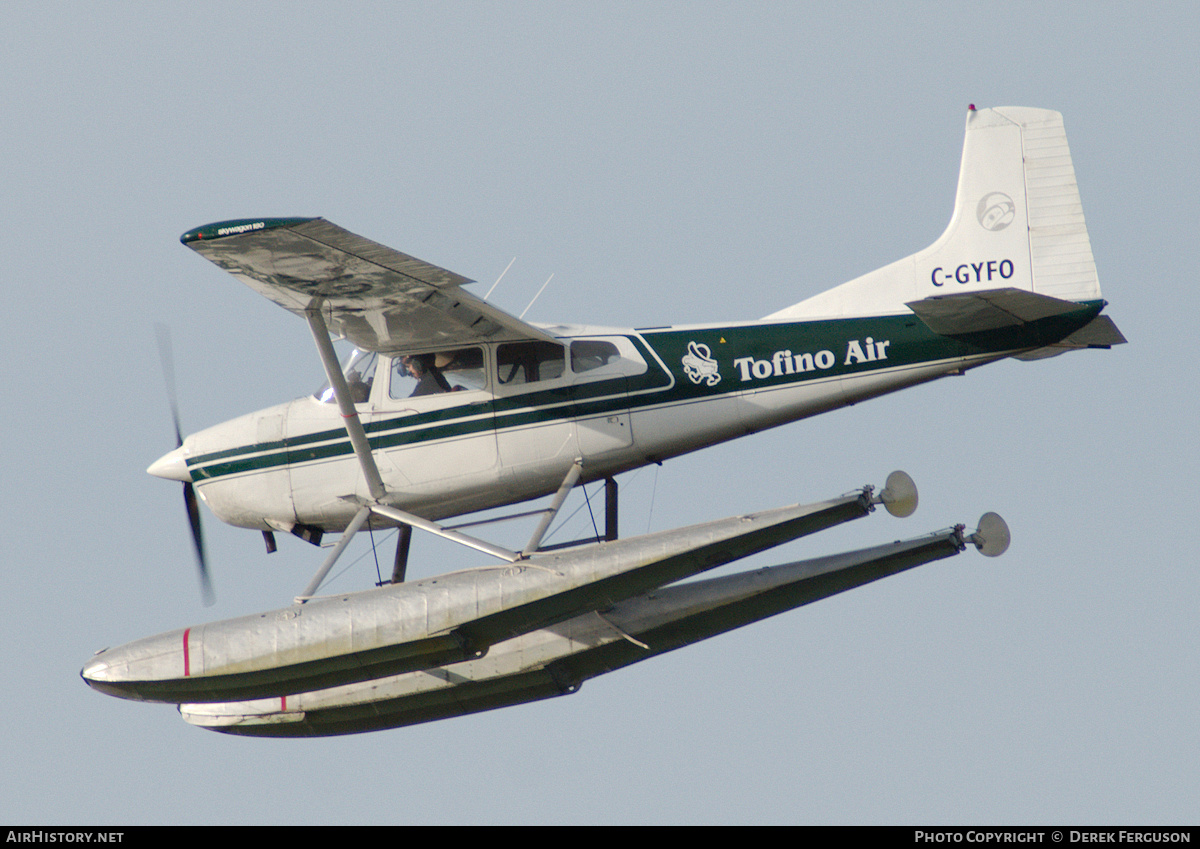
<point x="535" y="297"/>
<point x="498" y="279"/>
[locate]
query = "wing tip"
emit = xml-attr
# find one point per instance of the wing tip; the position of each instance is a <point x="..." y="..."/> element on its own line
<point x="236" y="227"/>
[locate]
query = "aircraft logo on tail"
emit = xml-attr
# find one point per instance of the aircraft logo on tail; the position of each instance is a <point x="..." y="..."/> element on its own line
<point x="996" y="211"/>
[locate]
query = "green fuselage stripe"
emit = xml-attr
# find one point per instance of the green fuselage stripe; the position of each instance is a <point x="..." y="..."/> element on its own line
<point x="750" y="357"/>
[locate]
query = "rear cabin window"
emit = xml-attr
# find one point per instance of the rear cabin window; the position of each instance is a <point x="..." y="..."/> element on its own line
<point x="529" y="362"/>
<point x="601" y="359"/>
<point x="590" y="354"/>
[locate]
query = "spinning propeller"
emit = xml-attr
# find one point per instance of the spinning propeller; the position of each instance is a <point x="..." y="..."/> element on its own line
<point x="173" y="467"/>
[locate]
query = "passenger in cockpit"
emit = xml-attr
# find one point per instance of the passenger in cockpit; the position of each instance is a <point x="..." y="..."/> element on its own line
<point x="360" y="390"/>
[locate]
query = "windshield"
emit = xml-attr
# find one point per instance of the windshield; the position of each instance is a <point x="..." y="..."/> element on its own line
<point x="359" y="369"/>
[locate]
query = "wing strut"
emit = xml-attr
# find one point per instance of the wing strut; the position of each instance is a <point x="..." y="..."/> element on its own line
<point x="376" y="488"/>
<point x="333" y="371"/>
<point x="358" y="439"/>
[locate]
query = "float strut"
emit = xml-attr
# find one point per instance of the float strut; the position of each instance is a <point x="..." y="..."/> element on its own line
<point x="357" y="522"/>
<point x="400" y="565"/>
<point x="610" y="509"/>
<point x="568" y="484"/>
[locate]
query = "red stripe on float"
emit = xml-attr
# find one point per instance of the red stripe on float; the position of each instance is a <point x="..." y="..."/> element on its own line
<point x="187" y="660"/>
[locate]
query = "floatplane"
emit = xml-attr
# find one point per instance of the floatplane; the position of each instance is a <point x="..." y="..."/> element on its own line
<point x="448" y="405"/>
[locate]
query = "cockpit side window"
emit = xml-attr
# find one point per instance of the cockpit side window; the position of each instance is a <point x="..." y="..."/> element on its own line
<point x="529" y="362"/>
<point x="414" y="375"/>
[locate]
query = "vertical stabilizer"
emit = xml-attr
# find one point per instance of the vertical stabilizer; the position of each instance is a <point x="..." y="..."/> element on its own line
<point x="1017" y="223"/>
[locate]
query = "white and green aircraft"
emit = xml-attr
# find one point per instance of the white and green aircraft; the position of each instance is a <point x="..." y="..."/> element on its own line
<point x="449" y="405"/>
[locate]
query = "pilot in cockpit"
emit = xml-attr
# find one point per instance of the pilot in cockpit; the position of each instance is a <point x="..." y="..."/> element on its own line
<point x="437" y="373"/>
<point x="427" y="371"/>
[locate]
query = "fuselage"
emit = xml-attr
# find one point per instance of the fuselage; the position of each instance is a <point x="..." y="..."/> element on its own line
<point x="465" y="428"/>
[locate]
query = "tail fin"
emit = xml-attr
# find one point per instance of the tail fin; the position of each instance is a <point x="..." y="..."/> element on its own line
<point x="1017" y="223"/>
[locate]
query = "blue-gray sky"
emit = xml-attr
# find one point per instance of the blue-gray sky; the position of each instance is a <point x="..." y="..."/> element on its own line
<point x="669" y="163"/>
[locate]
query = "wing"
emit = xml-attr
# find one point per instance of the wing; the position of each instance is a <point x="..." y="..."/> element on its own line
<point x="378" y="298"/>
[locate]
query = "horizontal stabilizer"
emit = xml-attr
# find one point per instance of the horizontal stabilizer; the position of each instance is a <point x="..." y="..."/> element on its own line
<point x="992" y="309"/>
<point x="1101" y="332"/>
